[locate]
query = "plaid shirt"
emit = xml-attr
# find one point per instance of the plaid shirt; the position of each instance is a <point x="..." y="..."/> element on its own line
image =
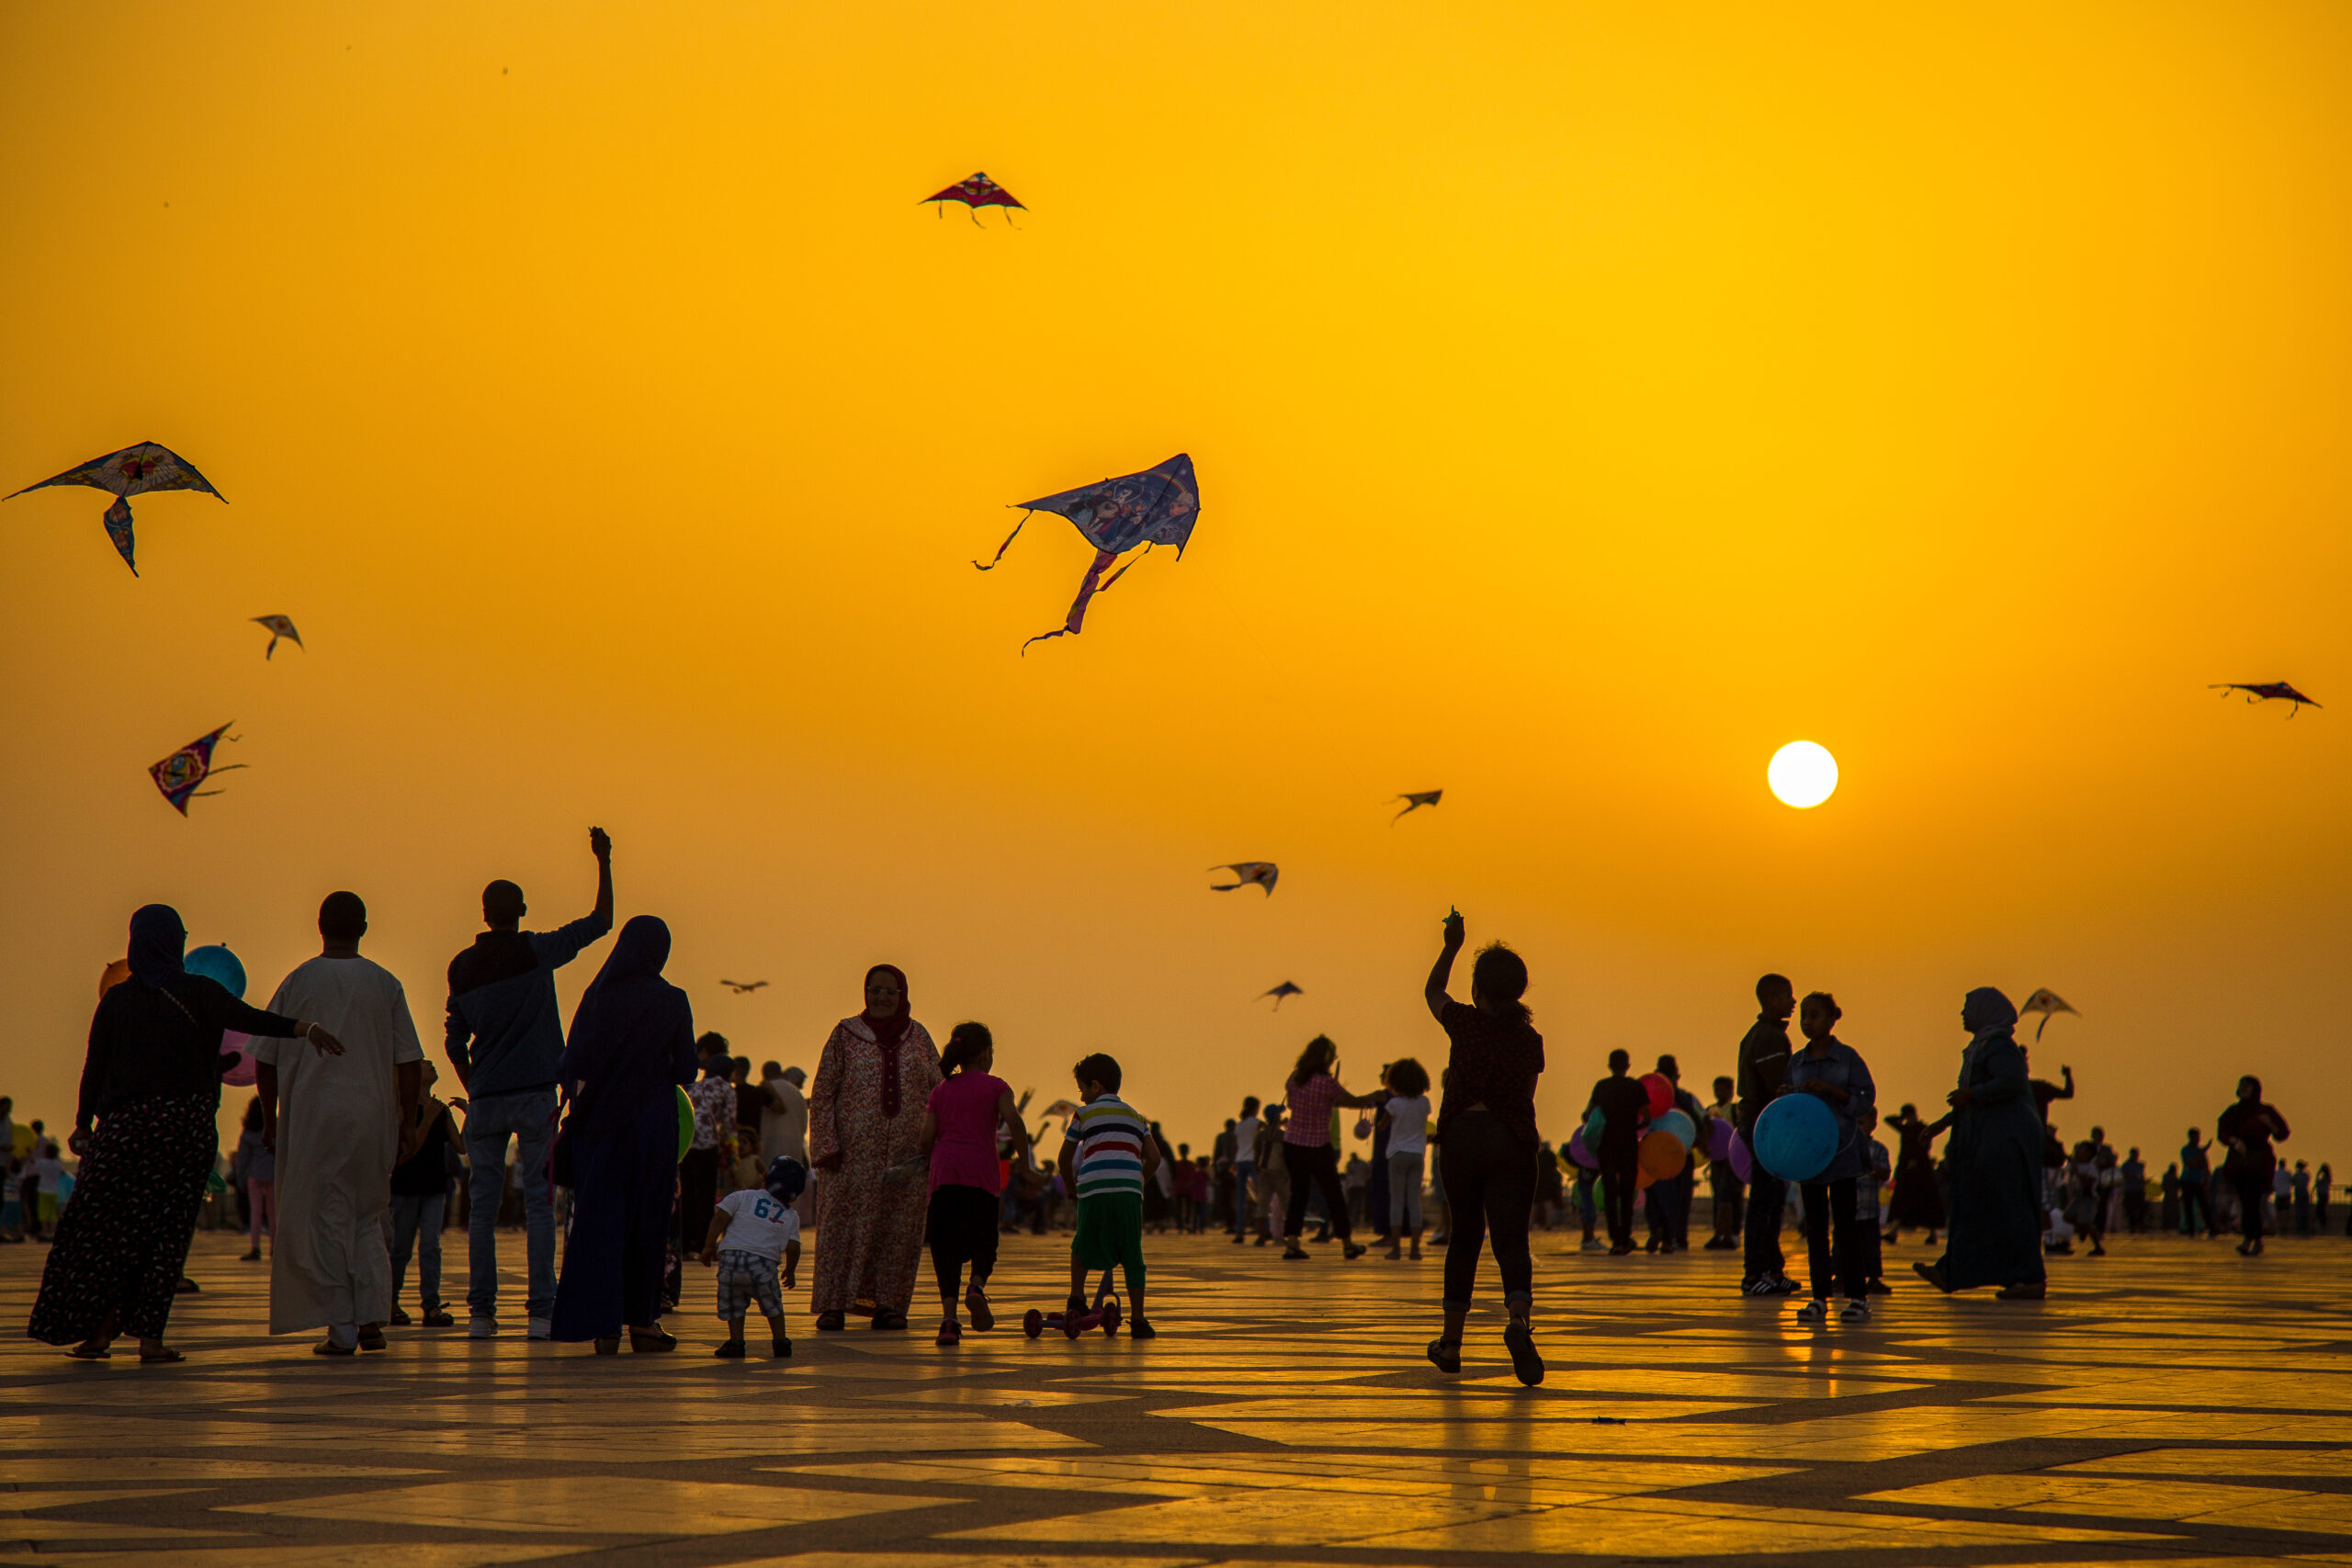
<point x="1310" y="1125"/>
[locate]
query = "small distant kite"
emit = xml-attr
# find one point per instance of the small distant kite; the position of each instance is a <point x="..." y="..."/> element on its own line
<point x="742" y="988"/>
<point x="1157" y="506"/>
<point x="2258" y="692"/>
<point x="1282" y="991"/>
<point x="279" y="626"/>
<point x="2046" y="1002"/>
<point x="975" y="193"/>
<point x="134" y="470"/>
<point x="1415" y="801"/>
<point x="1059" y="1108"/>
<point x="178" y="775"/>
<point x="1250" y="873"/>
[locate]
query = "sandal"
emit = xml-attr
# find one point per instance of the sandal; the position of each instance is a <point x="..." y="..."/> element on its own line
<point x="1446" y="1354"/>
<point x="371" y="1338"/>
<point x="86" y="1352"/>
<point x="651" y="1341"/>
<point x="976" y="1304"/>
<point x="831" y="1322"/>
<point x="153" y="1357"/>
<point x="329" y="1347"/>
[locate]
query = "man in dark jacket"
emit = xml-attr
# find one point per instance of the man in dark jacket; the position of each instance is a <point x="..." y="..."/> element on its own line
<point x="1763" y="1066"/>
<point x="504" y="1038"/>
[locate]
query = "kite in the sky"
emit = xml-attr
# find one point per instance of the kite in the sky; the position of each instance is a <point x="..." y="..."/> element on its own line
<point x="1250" y="873"/>
<point x="1157" y="506"/>
<point x="1283" y="991"/>
<point x="2256" y="690"/>
<point x="178" y="775"/>
<point x="279" y="626"/>
<point x="742" y="988"/>
<point x="2046" y="1002"/>
<point x="1415" y="801"/>
<point x="975" y="193"/>
<point x="134" y="470"/>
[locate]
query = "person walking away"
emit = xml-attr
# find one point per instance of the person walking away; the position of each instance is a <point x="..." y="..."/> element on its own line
<point x="1273" y="1185"/>
<point x="1919" y="1191"/>
<point x="865" y="1131"/>
<point x="1375" y="1193"/>
<point x="2301" y="1187"/>
<point x="1408" y="1141"/>
<point x="1222" y="1153"/>
<point x="784" y="1126"/>
<point x="1723" y="1183"/>
<point x="2196" y="1188"/>
<point x="712" y="1098"/>
<point x="959" y="1139"/>
<point x="632" y="1045"/>
<point x="504" y="1037"/>
<point x="145" y="1129"/>
<point x="2323" y="1184"/>
<point x="2248" y="1128"/>
<point x="761" y="1233"/>
<point x="1685" y="1183"/>
<point x="1834" y="1072"/>
<point x="1111" y="1148"/>
<point x="2168" y="1207"/>
<point x="1487" y="1138"/>
<point x="1994" y="1234"/>
<point x="420" y="1186"/>
<point x="1763" y="1064"/>
<point x="1246" y="1139"/>
<point x="256" y="1166"/>
<point x="1312" y="1094"/>
<point x="2132" y="1174"/>
<point x="336" y="1123"/>
<point x="1867" y="1189"/>
<point x="1624" y="1108"/>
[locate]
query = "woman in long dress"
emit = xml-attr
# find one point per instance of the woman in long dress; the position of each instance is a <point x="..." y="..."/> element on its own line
<point x="2247" y="1129"/>
<point x="152" y="1082"/>
<point x="866" y="1134"/>
<point x="632" y="1044"/>
<point x="1993" y="1161"/>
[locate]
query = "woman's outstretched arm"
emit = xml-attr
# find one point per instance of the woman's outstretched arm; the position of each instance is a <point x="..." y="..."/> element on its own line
<point x="1443" y="971"/>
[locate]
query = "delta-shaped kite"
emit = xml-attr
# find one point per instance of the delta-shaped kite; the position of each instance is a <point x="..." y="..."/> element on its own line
<point x="2046" y="1002"/>
<point x="134" y="470"/>
<point x="1414" y="800"/>
<point x="178" y="775"/>
<point x="1282" y="992"/>
<point x="977" y="192"/>
<point x="1157" y="506"/>
<point x="1258" y="873"/>
<point x="279" y="626"/>
<point x="2265" y="692"/>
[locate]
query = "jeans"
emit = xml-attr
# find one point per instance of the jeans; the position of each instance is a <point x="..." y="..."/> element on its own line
<point x="529" y="1117"/>
<point x="1490" y="1183"/>
<point x="1767" y="1193"/>
<point x="416" y="1222"/>
<point x="1829" y="1212"/>
<point x="1242" y="1172"/>
<point x="2194" y="1215"/>
<point x="1617" y="1184"/>
<point x="1405" y="1191"/>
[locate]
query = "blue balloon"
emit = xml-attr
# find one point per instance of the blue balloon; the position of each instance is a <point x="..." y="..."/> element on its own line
<point x="1678" y="1123"/>
<point x="217" y="963"/>
<point x="1797" y="1137"/>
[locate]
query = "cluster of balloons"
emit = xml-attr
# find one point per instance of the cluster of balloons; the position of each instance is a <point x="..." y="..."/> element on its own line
<point x="1665" y="1146"/>
<point x="214" y="962"/>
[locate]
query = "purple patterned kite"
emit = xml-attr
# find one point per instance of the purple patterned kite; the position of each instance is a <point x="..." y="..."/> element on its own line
<point x="1157" y="506"/>
<point x="975" y="193"/>
<point x="134" y="470"/>
<point x="178" y="775"/>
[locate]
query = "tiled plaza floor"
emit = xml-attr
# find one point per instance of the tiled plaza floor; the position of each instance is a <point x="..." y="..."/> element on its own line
<point x="2171" y="1404"/>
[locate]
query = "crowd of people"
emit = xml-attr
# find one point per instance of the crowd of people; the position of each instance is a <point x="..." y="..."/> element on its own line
<point x="347" y="1162"/>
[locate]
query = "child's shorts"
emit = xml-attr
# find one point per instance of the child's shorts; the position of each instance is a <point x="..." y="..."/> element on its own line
<point x="746" y="1279"/>
<point x="1110" y="1231"/>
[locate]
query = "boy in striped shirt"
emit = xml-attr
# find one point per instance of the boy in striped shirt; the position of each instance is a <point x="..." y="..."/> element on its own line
<point x="1110" y="1147"/>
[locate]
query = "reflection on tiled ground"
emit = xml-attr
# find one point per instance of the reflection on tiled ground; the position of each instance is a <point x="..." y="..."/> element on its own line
<point x="2172" y="1403"/>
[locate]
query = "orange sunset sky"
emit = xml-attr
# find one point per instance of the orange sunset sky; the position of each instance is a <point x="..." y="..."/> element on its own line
<point x="1587" y="399"/>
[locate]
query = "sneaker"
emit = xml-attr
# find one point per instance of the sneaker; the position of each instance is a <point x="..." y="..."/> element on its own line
<point x="1350" y="1251"/>
<point x="1622" y="1249"/>
<point x="1141" y="1328"/>
<point x="732" y="1348"/>
<point x="1239" y="1238"/>
<point x="1855" y="1311"/>
<point x="1814" y="1311"/>
<point x="781" y="1346"/>
<point x="1294" y="1253"/>
<point x="1785" y="1286"/>
<point x="1520" y="1342"/>
<point x="1720" y="1243"/>
<point x="975" y="1303"/>
<point x="542" y="1328"/>
<point x="950" y="1332"/>
<point x="482" y="1325"/>
<point x="1878" y="1287"/>
<point x="1762" y="1285"/>
<point x="1446" y="1354"/>
<point x="1593" y="1244"/>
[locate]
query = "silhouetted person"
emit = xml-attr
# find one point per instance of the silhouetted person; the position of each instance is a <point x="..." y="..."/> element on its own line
<point x="1763" y="1067"/>
<point x="2249" y="1126"/>
<point x="2196" y="1200"/>
<point x="1625" y="1105"/>
<point x="2045" y="1091"/>
<point x="505" y="1038"/>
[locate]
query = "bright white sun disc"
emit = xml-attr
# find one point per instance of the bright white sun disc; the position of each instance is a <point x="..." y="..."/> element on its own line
<point x="1803" y="774"/>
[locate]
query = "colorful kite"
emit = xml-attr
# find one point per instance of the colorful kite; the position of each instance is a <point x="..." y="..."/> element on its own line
<point x="134" y="470"/>
<point x="2044" y="1001"/>
<point x="742" y="988"/>
<point x="1415" y="801"/>
<point x="2256" y="690"/>
<point x="279" y="626"/>
<point x="1283" y="991"/>
<point x="1251" y="872"/>
<point x="178" y="775"/>
<point x="1157" y="506"/>
<point x="977" y="192"/>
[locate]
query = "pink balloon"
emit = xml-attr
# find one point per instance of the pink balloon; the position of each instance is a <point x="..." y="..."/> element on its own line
<point x="1719" y="1137"/>
<point x="1743" y="1164"/>
<point x="1579" y="1153"/>
<point x="240" y="1047"/>
<point x="1661" y="1093"/>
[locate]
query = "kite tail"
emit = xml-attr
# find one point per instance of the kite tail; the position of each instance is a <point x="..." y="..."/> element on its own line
<point x="118" y="522"/>
<point x="1007" y="545"/>
<point x="2044" y="1024"/>
<point x="1086" y="590"/>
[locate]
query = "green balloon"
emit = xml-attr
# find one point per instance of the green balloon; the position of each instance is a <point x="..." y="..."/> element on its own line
<point x="685" y="1124"/>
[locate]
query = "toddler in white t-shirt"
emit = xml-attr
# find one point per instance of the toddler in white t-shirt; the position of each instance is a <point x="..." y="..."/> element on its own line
<point x="759" y="1231"/>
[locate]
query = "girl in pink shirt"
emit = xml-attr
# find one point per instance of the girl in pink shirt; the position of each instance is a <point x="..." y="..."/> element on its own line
<point x="960" y="1133"/>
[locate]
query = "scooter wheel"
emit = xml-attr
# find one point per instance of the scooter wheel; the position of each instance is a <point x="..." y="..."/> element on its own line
<point x="1110" y="1318"/>
<point x="1033" y="1323"/>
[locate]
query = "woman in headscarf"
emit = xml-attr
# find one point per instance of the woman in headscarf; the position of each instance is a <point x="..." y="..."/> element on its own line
<point x="632" y="1043"/>
<point x="1993" y="1162"/>
<point x="866" y="1134"/>
<point x="151" y="1083"/>
<point x="2247" y="1129"/>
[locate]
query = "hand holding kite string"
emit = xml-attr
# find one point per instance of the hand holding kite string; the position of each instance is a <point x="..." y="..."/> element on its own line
<point x="2266" y="691"/>
<point x="134" y="470"/>
<point x="1250" y="874"/>
<point x="1282" y="991"/>
<point x="279" y="626"/>
<point x="1414" y="801"/>
<point x="1157" y="506"/>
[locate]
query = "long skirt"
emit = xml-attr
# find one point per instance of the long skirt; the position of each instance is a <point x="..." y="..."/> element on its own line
<point x="123" y="1239"/>
<point x="1994" y="1236"/>
<point x="1917" y="1202"/>
<point x="869" y="1237"/>
<point x="618" y="1252"/>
